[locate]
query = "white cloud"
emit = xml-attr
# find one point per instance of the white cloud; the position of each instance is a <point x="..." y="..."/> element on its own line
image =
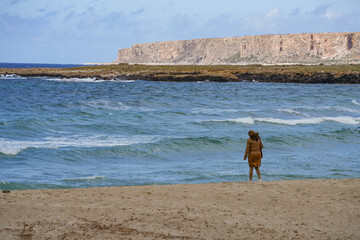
<point x="331" y="14"/>
<point x="273" y="13"/>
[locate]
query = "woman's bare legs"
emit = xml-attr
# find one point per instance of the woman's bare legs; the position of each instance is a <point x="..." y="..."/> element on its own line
<point x="258" y="173"/>
<point x="250" y="173"/>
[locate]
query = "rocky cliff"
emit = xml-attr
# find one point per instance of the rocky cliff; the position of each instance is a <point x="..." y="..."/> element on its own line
<point x="332" y="48"/>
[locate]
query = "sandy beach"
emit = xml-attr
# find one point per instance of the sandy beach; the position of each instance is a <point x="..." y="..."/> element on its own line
<point x="301" y="209"/>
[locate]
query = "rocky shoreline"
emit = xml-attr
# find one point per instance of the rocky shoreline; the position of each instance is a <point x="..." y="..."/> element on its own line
<point x="328" y="74"/>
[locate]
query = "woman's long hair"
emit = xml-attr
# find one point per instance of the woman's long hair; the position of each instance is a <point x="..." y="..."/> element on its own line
<point x="254" y="135"/>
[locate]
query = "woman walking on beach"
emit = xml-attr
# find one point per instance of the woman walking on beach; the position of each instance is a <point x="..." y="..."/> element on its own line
<point x="254" y="153"/>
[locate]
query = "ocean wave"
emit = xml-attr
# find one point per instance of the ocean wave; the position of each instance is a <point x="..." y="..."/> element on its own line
<point x="85" y="178"/>
<point x="355" y="102"/>
<point x="184" y="144"/>
<point x="13" y="147"/>
<point x="245" y="120"/>
<point x="289" y="110"/>
<point x="89" y="79"/>
<point x="333" y="108"/>
<point x="106" y="104"/>
<point x="345" y="109"/>
<point x="212" y="110"/>
<point x="11" y="76"/>
<point x="292" y="121"/>
<point x="125" y="81"/>
<point x="72" y="79"/>
<point x="302" y="110"/>
<point x="315" y="120"/>
<point x="113" y="105"/>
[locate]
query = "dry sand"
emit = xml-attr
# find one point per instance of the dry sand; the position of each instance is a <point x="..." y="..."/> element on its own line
<point x="306" y="209"/>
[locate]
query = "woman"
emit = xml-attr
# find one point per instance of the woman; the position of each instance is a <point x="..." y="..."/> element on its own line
<point x="254" y="153"/>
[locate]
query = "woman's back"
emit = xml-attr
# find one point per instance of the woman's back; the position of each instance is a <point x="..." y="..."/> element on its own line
<point x="254" y="146"/>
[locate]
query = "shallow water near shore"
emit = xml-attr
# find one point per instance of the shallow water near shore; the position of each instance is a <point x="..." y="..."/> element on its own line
<point x="70" y="133"/>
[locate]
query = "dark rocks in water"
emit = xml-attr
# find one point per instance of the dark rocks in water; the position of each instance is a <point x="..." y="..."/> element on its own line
<point x="327" y="78"/>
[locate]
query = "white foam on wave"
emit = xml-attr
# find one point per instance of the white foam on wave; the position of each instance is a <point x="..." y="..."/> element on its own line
<point x="13" y="147"/>
<point x="315" y="120"/>
<point x="296" y="111"/>
<point x="246" y="120"/>
<point x="355" y="102"/>
<point x="291" y="121"/>
<point x="212" y="110"/>
<point x="332" y="108"/>
<point x="85" y="178"/>
<point x="11" y="76"/>
<point x="89" y="79"/>
<point x="345" y="120"/>
<point x="288" y="110"/>
<point x="73" y="79"/>
<point x="107" y="105"/>
<point x="346" y="109"/>
<point x="113" y="105"/>
<point x="125" y="81"/>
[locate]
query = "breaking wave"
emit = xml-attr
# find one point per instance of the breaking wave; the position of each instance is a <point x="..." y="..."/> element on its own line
<point x="85" y="80"/>
<point x="11" y="76"/>
<point x="85" y="178"/>
<point x="13" y="147"/>
<point x="315" y="120"/>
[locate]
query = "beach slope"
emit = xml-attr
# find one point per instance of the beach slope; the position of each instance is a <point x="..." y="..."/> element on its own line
<point x="301" y="209"/>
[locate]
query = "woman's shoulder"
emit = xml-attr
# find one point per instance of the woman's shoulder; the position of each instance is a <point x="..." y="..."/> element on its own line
<point x="253" y="141"/>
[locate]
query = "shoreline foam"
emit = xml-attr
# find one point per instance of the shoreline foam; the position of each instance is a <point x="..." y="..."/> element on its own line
<point x="299" y="209"/>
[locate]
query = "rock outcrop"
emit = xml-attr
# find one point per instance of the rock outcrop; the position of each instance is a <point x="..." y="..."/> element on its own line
<point x="345" y="74"/>
<point x="327" y="48"/>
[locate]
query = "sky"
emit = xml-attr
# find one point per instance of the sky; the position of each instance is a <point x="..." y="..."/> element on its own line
<point x="80" y="31"/>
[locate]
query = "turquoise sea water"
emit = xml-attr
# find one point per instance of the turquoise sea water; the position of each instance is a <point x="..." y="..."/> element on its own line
<point x="57" y="133"/>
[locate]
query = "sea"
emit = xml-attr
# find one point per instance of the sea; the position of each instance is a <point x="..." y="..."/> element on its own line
<point x="78" y="133"/>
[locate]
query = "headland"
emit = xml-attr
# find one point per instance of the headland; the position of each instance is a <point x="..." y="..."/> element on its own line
<point x="293" y="58"/>
<point x="301" y="48"/>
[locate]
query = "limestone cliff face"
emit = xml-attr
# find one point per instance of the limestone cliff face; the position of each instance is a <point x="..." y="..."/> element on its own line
<point x="263" y="49"/>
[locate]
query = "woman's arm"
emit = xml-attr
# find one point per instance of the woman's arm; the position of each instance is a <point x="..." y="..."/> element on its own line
<point x="247" y="150"/>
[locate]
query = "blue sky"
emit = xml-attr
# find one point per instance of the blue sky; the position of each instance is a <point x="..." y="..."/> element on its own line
<point x="79" y="31"/>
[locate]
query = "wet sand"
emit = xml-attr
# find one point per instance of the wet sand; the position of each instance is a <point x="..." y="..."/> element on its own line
<point x="301" y="209"/>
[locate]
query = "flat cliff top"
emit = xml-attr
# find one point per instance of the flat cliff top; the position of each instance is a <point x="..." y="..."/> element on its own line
<point x="222" y="73"/>
<point x="309" y="48"/>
